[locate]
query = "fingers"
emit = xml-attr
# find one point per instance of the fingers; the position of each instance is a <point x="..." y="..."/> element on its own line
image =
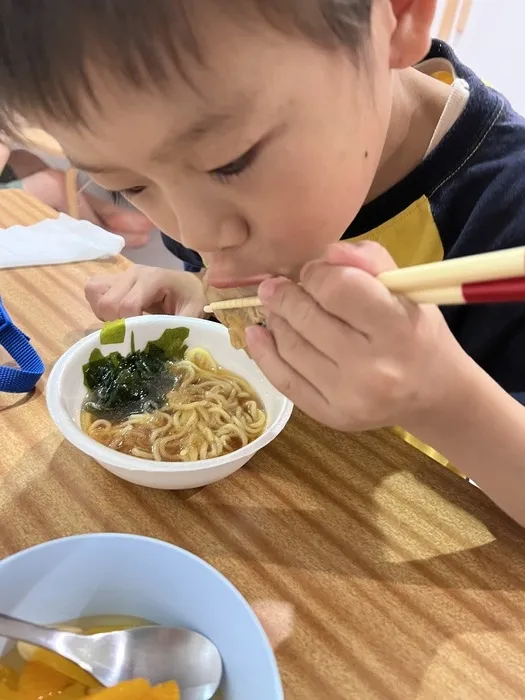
<point x="344" y="284"/>
<point x="136" y="300"/>
<point x="354" y="297"/>
<point x="192" y="307"/>
<point x="263" y="350"/>
<point x="145" y="289"/>
<point x="340" y="345"/>
<point x="339" y="295"/>
<point x="108" y="296"/>
<point x="298" y="353"/>
<point x="95" y="288"/>
<point x="301" y="311"/>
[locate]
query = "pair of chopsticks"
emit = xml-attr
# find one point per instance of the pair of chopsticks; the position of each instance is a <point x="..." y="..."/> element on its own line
<point x="486" y="278"/>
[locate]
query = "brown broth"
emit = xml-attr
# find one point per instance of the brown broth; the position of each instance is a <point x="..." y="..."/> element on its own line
<point x="134" y="438"/>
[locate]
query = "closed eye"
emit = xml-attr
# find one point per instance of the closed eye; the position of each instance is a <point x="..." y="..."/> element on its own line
<point x="232" y="169"/>
<point x="238" y="166"/>
<point x="118" y="196"/>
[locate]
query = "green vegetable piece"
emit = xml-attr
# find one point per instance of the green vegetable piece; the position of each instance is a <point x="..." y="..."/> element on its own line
<point x="170" y="346"/>
<point x="113" y="332"/>
<point x="99" y="368"/>
<point x="95" y="356"/>
<point x="119" y="385"/>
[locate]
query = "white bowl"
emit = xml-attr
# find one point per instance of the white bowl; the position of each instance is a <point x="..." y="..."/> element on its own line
<point x="110" y="574"/>
<point x="65" y="393"/>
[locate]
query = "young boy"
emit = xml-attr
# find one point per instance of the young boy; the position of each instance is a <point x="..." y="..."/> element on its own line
<point x="258" y="133"/>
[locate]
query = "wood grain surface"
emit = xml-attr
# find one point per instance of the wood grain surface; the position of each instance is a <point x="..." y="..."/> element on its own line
<point x="402" y="580"/>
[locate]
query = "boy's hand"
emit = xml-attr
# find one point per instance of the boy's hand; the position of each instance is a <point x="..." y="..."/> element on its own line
<point x="347" y="351"/>
<point x="145" y="289"/>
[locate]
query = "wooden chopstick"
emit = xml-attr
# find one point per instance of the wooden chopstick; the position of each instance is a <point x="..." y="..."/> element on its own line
<point x="492" y="292"/>
<point x="241" y="303"/>
<point x="422" y="283"/>
<point x="485" y="267"/>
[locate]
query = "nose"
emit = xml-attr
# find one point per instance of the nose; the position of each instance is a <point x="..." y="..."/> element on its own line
<point x="209" y="232"/>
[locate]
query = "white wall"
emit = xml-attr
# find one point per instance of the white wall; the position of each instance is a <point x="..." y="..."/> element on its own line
<point x="437" y="19"/>
<point x="492" y="45"/>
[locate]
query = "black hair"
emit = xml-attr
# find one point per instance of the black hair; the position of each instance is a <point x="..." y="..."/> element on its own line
<point x="45" y="45"/>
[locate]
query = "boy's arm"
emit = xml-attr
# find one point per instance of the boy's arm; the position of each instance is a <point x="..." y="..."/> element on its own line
<point x="355" y="357"/>
<point x="481" y="429"/>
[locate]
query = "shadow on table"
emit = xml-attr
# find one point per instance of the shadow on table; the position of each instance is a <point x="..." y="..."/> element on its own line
<point x="308" y="530"/>
<point x="78" y="334"/>
<point x="10" y="401"/>
<point x="324" y="520"/>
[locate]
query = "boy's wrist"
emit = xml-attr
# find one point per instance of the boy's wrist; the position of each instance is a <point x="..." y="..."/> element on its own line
<point x="470" y="420"/>
<point x="460" y="390"/>
<point x="480" y="429"/>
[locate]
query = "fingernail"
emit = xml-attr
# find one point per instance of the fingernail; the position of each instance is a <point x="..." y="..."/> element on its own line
<point x="268" y="288"/>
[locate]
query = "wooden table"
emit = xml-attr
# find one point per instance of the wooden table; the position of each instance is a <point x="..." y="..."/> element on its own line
<point x="404" y="581"/>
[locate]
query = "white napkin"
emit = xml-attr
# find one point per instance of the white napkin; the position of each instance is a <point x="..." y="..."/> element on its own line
<point x="54" y="241"/>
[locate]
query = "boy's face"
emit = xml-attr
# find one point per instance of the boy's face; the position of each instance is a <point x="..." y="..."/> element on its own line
<point x="258" y="161"/>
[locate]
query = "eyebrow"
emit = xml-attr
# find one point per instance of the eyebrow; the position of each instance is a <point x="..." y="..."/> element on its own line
<point x="220" y="121"/>
<point x="197" y="131"/>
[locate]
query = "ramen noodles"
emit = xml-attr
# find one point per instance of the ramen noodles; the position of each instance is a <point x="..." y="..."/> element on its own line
<point x="175" y="410"/>
<point x="236" y="320"/>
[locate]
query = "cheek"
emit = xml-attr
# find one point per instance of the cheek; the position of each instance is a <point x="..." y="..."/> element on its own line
<point x="314" y="202"/>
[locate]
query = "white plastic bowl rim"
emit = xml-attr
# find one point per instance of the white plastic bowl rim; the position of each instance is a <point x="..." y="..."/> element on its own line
<point x="101" y="453"/>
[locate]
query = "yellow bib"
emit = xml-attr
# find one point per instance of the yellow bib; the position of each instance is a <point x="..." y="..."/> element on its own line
<point x="411" y="238"/>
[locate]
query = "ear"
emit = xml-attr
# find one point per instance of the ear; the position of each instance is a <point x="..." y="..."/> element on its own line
<point x="410" y="41"/>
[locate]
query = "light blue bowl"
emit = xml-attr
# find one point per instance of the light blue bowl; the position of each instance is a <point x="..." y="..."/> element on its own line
<point x="111" y="574"/>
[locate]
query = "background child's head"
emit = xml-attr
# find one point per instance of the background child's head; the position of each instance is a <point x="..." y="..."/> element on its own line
<point x="250" y="130"/>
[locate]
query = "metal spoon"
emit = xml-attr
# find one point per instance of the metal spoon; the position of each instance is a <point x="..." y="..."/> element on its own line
<point x="157" y="654"/>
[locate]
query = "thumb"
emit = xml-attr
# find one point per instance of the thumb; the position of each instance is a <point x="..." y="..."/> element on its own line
<point x="368" y="256"/>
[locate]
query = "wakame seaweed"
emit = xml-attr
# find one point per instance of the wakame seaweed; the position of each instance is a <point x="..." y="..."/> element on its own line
<point x="120" y="385"/>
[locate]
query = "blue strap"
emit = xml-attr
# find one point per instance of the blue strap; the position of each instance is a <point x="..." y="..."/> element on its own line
<point x="30" y="366"/>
